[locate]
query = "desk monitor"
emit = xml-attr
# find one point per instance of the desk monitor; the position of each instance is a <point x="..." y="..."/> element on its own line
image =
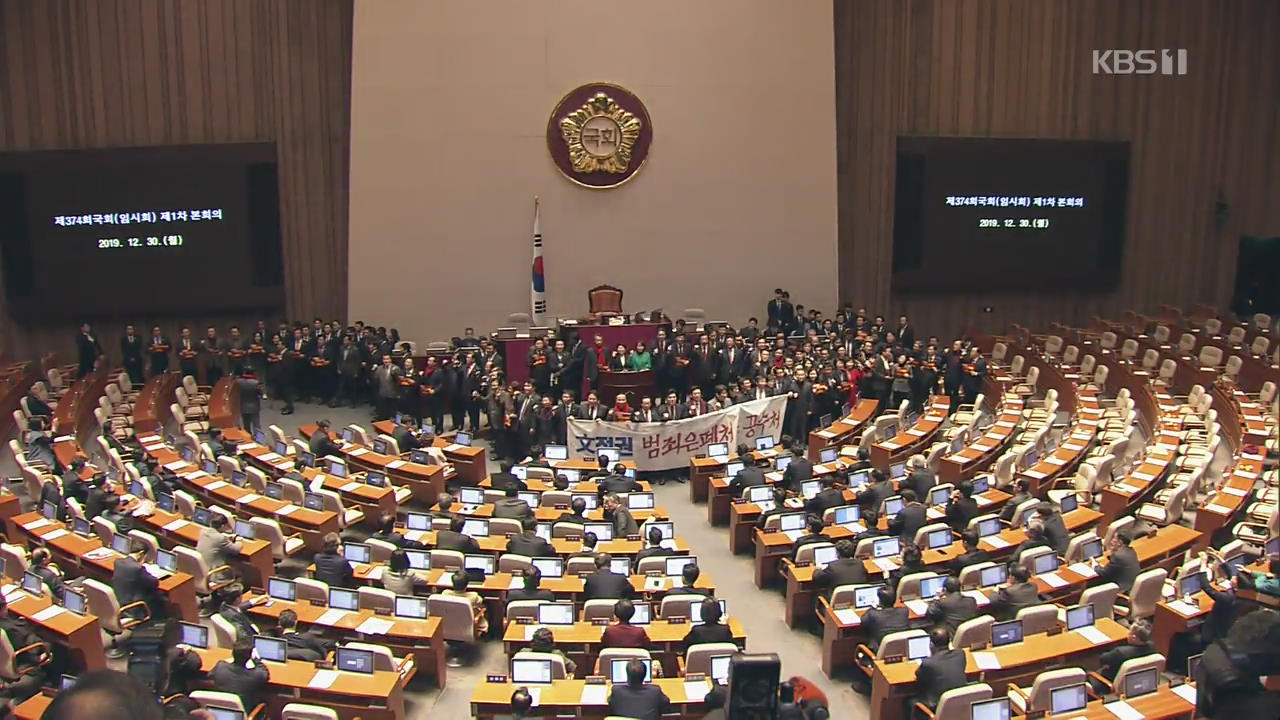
<point x="897" y="471"/>
<point x="186" y="453"/>
<point x="759" y="493"/>
<point x="260" y="436"/>
<point x="1030" y="459"/>
<point x="618" y="670"/>
<point x="1193" y="665"/>
<point x="167" y="560"/>
<point x="989" y="527"/>
<point x="342" y="599"/>
<point x="307" y="459"/>
<point x="520" y="471"/>
<point x="1068" y="699"/>
<point x="417" y="521"/>
<point x="791" y="521"/>
<point x="420" y="457"/>
<point x="958" y="444"/>
<point x="643" y="614"/>
<point x="825" y="555"/>
<point x="313" y="501"/>
<point x="525" y="670"/>
<point x="764" y="443"/>
<point x="718" y="450"/>
<point x="196" y="636"/>
<point x="783" y="462"/>
<point x="826" y="455"/>
<point x="282" y="449"/>
<point x="886" y="547"/>
<point x="620" y="565"/>
<point x="282" y="589"/>
<point x="210" y="467"/>
<point x="1272" y="548"/>
<point x="555" y="614"/>
<point x="1046" y="563"/>
<point x="866" y="596"/>
<point x="550" y="567"/>
<point x="847" y="514"/>
<point x="475" y="527"/>
<point x="73" y="601"/>
<point x="348" y="435"/>
<point x="67" y="682"/>
<point x="940" y="496"/>
<point x="918" y="647"/>
<point x="810" y="488"/>
<point x="136" y="489"/>
<point x="80" y="526"/>
<point x="244" y="529"/>
<point x="826" y="420"/>
<point x="992" y="576"/>
<point x="570" y="475"/>
<point x="408" y="606"/>
<point x="938" y="539"/>
<point x="1142" y="682"/>
<point x="238" y="478"/>
<point x="428" y="429"/>
<point x="375" y="478"/>
<point x="1006" y="633"/>
<point x="462" y="438"/>
<point x="271" y="649"/>
<point x="591" y="500"/>
<point x="274" y="490"/>
<point x="419" y="559"/>
<point x="354" y="660"/>
<point x="640" y="501"/>
<point x="997" y="709"/>
<point x="531" y="498"/>
<point x="556" y="452"/>
<point x="629" y="473"/>
<point x="483" y="563"/>
<point x="120" y="543"/>
<point x="200" y="516"/>
<point x="337" y="468"/>
<point x="1189" y="585"/>
<point x="1079" y="616"/>
<point x="471" y="495"/>
<point x="893" y="505"/>
<point x="910" y="419"/>
<point x="613" y="454"/>
<point x="733" y="468"/>
<point x="695" y="612"/>
<point x="357" y="552"/>
<point x="1069" y="503"/>
<point x="930" y="587"/>
<point x="675" y="565"/>
<point x="225" y="714"/>
<point x="1091" y="549"/>
<point x="380" y="447"/>
<point x="859" y="478"/>
<point x="602" y="531"/>
<point x="981" y="485"/>
<point x="165" y="502"/>
<point x="666" y="527"/>
<point x="890" y="431"/>
<point x="49" y="511"/>
<point x="720" y="669"/>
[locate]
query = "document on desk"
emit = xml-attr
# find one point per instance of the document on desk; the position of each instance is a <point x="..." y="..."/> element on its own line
<point x="323" y="679"/>
<point x="357" y="452"/>
<point x="287" y="510"/>
<point x="394" y="464"/>
<point x="1235" y="491"/>
<point x="1186" y="692"/>
<point x="1082" y="569"/>
<point x="48" y="613"/>
<point x="1052" y="579"/>
<point x="248" y="498"/>
<point x="269" y="457"/>
<point x="517" y="582"/>
<point x="794" y="534"/>
<point x="594" y="695"/>
<point x="453" y="447"/>
<point x="1184" y="609"/>
<point x="1220" y="509"/>
<point x="825" y="434"/>
<point x="99" y="553"/>
<point x="175" y="525"/>
<point x="375" y="626"/>
<point x="1123" y="710"/>
<point x="175" y="466"/>
<point x="917" y="607"/>
<point x="55" y="534"/>
<point x="696" y="690"/>
<point x="331" y="617"/>
<point x="216" y="485"/>
<point x="977" y="596"/>
<point x="1093" y="635"/>
<point x="375" y="573"/>
<point x="349" y="486"/>
<point x="986" y="661"/>
<point x="848" y="616"/>
<point x="1055" y="460"/>
<point x="886" y="564"/>
<point x="996" y="541"/>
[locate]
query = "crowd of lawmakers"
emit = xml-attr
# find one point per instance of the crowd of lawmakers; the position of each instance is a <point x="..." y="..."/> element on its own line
<point x="823" y="365"/>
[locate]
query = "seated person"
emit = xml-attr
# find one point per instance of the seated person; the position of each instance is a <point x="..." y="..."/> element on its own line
<point x="577" y="512"/>
<point x="399" y="578"/>
<point x="912" y="562"/>
<point x="528" y="543"/>
<point x="1021" y="493"/>
<point x="844" y="570"/>
<point x="459" y="589"/>
<point x="331" y="565"/>
<point x="242" y="675"/>
<point x="511" y="506"/>
<point x="504" y="479"/>
<point x="454" y="539"/>
<point x="884" y="618"/>
<point x="444" y="506"/>
<point x="637" y="699"/>
<point x="942" y="670"/>
<point x="831" y="495"/>
<point x="1056" y="534"/>
<point x="1019" y="593"/>
<point x="971" y="555"/>
<point x="653" y="549"/>
<point x="606" y="584"/>
<point x="874" y="493"/>
<point x="815" y="526"/>
<point x="589" y="541"/>
<point x="618" y="482"/>
<point x="751" y="475"/>
<point x="300" y="645"/>
<point x="690" y="575"/>
<point x="623" y="634"/>
<point x="711" y="630"/>
<point x="42" y="564"/>
<point x="387" y="533"/>
<point x="321" y="444"/>
<point x="543" y="641"/>
<point x="531" y="590"/>
<point x="1035" y="539"/>
<point x="962" y="507"/>
<point x="950" y="608"/>
<point x="521" y="703"/>
<point x="1122" y="563"/>
<point x="561" y="482"/>
<point x="912" y="517"/>
<point x="779" y="506"/>
<point x="234" y="609"/>
<point x="1136" y="644"/>
<point x="20" y="634"/>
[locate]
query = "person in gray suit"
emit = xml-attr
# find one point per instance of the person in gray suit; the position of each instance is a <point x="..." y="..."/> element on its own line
<point x="250" y="399"/>
<point x="217" y="546"/>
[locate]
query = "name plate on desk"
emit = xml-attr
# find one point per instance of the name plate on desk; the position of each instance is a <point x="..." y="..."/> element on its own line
<point x="603" y="622"/>
<point x="498" y="679"/>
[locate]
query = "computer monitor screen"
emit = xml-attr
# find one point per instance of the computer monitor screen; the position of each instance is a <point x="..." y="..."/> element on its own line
<point x="957" y="444"/>
<point x="484" y="563"/>
<point x="471" y="496"/>
<point x="475" y="528"/>
<point x="49" y="511"/>
<point x="530" y="498"/>
<point x="643" y="614"/>
<point x="136" y="489"/>
<point x="271" y="649"/>
<point x="73" y="601"/>
<point x="196" y="636"/>
<point x="718" y="450"/>
<point x="602" y="531"/>
<point x="420" y="457"/>
<point x="675" y="565"/>
<point x="886" y="547"/>
<point x="417" y="521"/>
<point x="1091" y="549"/>
<point x="550" y="567"/>
<point x="733" y="468"/>
<point x="618" y="670"/>
<point x="524" y="670"/>
<point x="463" y="439"/>
<point x="244" y="529"/>
<point x="847" y="514"/>
<point x="613" y="454"/>
<point x="225" y="714"/>
<point x="186" y="453"/>
<point x="380" y="447"/>
<point x="866" y="596"/>
<point x="930" y="587"/>
<point x="1193" y="664"/>
<point x="938" y="539"/>
<point x="893" y="505"/>
<point x="238" y="478"/>
<point x="260" y="436"/>
<point x="201" y="516"/>
<point x="313" y="501"/>
<point x="1030" y="459"/>
<point x="209" y="467"/>
<point x="720" y="669"/>
<point x="825" y="420"/>
<point x="897" y="470"/>
<point x="810" y="488"/>
<point x="337" y="468"/>
<point x="348" y="435"/>
<point x="275" y="490"/>
<point x="1069" y="503"/>
<point x="307" y="459"/>
<point x="281" y="449"/>
<point x="408" y="606"/>
<point x="1006" y="633"/>
<point x="354" y="660"/>
<point x="981" y="485"/>
<point x="824" y="555"/>
<point x="341" y="599"/>
<point x="1190" y="584"/>
<point x="992" y="576"/>
<point x="418" y="559"/>
<point x="1079" y="616"/>
<point x="165" y="502"/>
<point x="375" y="479"/>
<point x="120" y="543"/>
<point x="791" y="521"/>
<point x="764" y="443"/>
<point x="827" y="455"/>
<point x="428" y="429"/>
<point x="784" y="462"/>
<point x="571" y="475"/>
<point x="68" y="681"/>
<point x="940" y="496"/>
<point x="282" y="589"/>
<point x="918" y="647"/>
<point x="555" y="614"/>
<point x="1141" y="682"/>
<point x="620" y="566"/>
<point x="860" y="478"/>
<point x="695" y="612"/>
<point x="588" y="499"/>
<point x="989" y="527"/>
<point x="1068" y="699"/>
<point x="640" y="501"/>
<point x="1045" y="563"/>
<point x="80" y="526"/>
<point x="997" y="709"/>
<point x="666" y="527"/>
<point x="356" y="552"/>
<point x="1273" y="546"/>
<point x="890" y="430"/>
<point x="556" y="452"/>
<point x="759" y="493"/>
<point x="167" y="560"/>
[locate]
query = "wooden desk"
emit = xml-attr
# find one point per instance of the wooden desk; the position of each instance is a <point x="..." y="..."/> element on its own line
<point x="255" y="562"/>
<point x="1169" y="622"/>
<point x="424" y="481"/>
<point x="33" y="707"/>
<point x="1163" y="704"/>
<point x="422" y="639"/>
<point x="151" y="409"/>
<point x="497" y="544"/>
<point x="909" y="441"/>
<point x="981" y="453"/>
<point x="376" y="696"/>
<point x="224" y="403"/>
<point x="10" y="506"/>
<point x="496" y="586"/>
<point x="544" y="513"/>
<point x="493" y="700"/>
<point x="81" y="635"/>
<point x="843" y="429"/>
<point x="720" y="497"/>
<point x="469" y="461"/>
<point x="581" y="641"/>
<point x="75" y="555"/>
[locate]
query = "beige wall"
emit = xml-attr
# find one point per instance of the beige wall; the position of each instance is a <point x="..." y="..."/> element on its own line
<point x="450" y="102"/>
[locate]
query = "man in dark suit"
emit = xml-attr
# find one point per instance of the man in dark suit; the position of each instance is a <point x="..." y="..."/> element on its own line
<point x="971" y="555"/>
<point x="637" y="698"/>
<point x="672" y="409"/>
<point x="1055" y="530"/>
<point x="845" y="570"/>
<point x="749" y="476"/>
<point x="814" y="526"/>
<point x="250" y="400"/>
<point x="618" y="482"/>
<point x="504" y="479"/>
<point x="526" y="403"/>
<point x="528" y="543"/>
<point x="453" y="539"/>
<point x="132" y="583"/>
<point x="331" y="566"/>
<point x="159" y="358"/>
<point x="653" y="549"/>
<point x="131" y="354"/>
<point x="531" y="589"/>
<point x="1021" y="493"/>
<point x="972" y="382"/>
<point x="606" y="584"/>
<point x="406" y="440"/>
<point x="72" y="485"/>
<point x="387" y="533"/>
<point x="299" y="645"/>
<point x="1137" y="644"/>
<point x="242" y="675"/>
<point x="1122" y="563"/>
<point x="884" y="618"/>
<point x="911" y="518"/>
<point x="800" y="469"/>
<point x="874" y="493"/>
<point x="321" y="444"/>
<point x="962" y="507"/>
<point x="951" y="607"/>
<point x="689" y="576"/>
<point x="512" y="506"/>
<point x="1019" y="593"/>
<point x="941" y="671"/>
<point x="88" y="349"/>
<point x="921" y="478"/>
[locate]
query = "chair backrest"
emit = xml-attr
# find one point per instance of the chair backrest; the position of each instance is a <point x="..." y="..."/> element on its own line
<point x="1108" y="340"/>
<point x="1053" y="344"/>
<point x="1138" y="664"/>
<point x="1232" y="368"/>
<point x="597" y="609"/>
<point x="1070" y="355"/>
<point x="678" y="605"/>
<point x="1038" y="618"/>
<point x="102" y="603"/>
<point x="558" y="671"/>
<point x="999" y="352"/>
<point x="608" y="655"/>
<point x="380" y="550"/>
<point x="189" y="385"/>
<point x="604" y="298"/>
<point x="193" y="564"/>
<point x="1021" y="511"/>
<point x="1016" y="365"/>
<point x="1087" y="365"/>
<point x="909" y="585"/>
<point x="698" y="658"/>
<point x="1129" y="348"/>
<point x="15" y="560"/>
<point x="657" y="564"/>
<point x="1259" y="346"/>
<point x="504" y="526"/>
<point x="973" y="633"/>
<point x="148" y="540"/>
<point x="293" y="490"/>
<point x="511" y="563"/>
<point x="1048" y="681"/>
<point x="185" y="503"/>
<point x="1004" y="470"/>
<point x="1150" y="359"/>
<point x="310" y="589"/>
<point x="303" y="711"/>
<point x="220" y="700"/>
<point x="445" y="559"/>
<point x="579" y="565"/>
<point x="1186" y="343"/>
<point x="1210" y="356"/>
<point x="1124" y="523"/>
<point x="372" y="598"/>
<point x="457" y="617"/>
<point x="1076" y="545"/>
<point x="529" y="608"/>
<point x="223" y="633"/>
<point x="955" y="703"/>
<point x="552" y="498"/>
<point x="1146" y="591"/>
<point x="895" y="643"/>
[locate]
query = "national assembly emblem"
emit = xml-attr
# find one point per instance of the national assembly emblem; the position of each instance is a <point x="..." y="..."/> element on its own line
<point x="599" y="135"/>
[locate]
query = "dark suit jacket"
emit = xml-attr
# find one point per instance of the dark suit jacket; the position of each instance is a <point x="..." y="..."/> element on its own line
<point x="607" y="585"/>
<point x="646" y="702"/>
<point x="1011" y="505"/>
<point x="522" y="594"/>
<point x="807" y="539"/>
<point x="250" y="396"/>
<point x="699" y="634"/>
<point x="960" y="512"/>
<point x="824" y="500"/>
<point x="321" y="445"/>
<point x="873" y="494"/>
<point x="405" y="439"/>
<point x="1111" y="660"/>
<point x="1121" y="569"/>
<point x="132" y="583"/>
<point x="619" y="484"/>
<point x="879" y="622"/>
<point x="921" y="481"/>
<point x="798" y="471"/>
<point x="651" y="552"/>
<point x="1012" y="598"/>
<point x="845" y="571"/>
<point x="952" y="610"/>
<point x="502" y="481"/>
<point x="966" y="559"/>
<point x="249" y="684"/>
<point x="906" y="523"/>
<point x="513" y="508"/>
<point x="450" y="540"/>
<point x="530" y="545"/>
<point x="1055" y="531"/>
<point x="939" y="673"/>
<point x="624" y="523"/>
<point x="304" y="646"/>
<point x="749" y="476"/>
<point x="334" y="569"/>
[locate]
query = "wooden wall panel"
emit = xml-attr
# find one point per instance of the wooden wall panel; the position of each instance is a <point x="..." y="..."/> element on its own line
<point x="111" y="73"/>
<point x="1024" y="69"/>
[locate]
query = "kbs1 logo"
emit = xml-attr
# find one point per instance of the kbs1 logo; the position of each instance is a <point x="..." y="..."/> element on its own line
<point x="1140" y="62"/>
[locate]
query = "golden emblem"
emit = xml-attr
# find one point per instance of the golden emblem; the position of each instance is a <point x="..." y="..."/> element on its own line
<point x="600" y="135"/>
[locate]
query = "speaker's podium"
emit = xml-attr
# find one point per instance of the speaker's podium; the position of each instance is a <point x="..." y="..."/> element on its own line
<point x="634" y="384"/>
